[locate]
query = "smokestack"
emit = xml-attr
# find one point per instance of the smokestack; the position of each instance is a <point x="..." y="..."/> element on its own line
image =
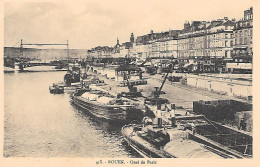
<point x="159" y="106"/>
<point x="172" y="106"/>
<point x="159" y="122"/>
<point x="140" y="75"/>
<point x="159" y="118"/>
<point x="173" y="120"/>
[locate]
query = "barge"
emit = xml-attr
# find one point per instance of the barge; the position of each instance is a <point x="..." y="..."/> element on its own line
<point x="103" y="105"/>
<point x="186" y="137"/>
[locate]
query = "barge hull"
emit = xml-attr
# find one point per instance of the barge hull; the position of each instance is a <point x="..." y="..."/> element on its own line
<point x="117" y="116"/>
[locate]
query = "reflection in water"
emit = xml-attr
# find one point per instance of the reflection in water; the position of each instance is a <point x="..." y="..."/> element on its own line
<point x="40" y="124"/>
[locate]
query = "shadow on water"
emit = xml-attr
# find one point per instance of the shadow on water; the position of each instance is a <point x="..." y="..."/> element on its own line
<point x="98" y="122"/>
<point x="108" y="129"/>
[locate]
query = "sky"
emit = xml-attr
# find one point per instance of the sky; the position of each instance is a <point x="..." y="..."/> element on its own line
<point x="91" y="23"/>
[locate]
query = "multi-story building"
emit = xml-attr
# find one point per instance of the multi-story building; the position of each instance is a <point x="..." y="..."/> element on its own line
<point x="202" y="46"/>
<point x="203" y="42"/>
<point x="243" y="38"/>
<point x="126" y="49"/>
<point x="243" y="44"/>
<point x="172" y="48"/>
<point x="141" y="51"/>
<point x="100" y="52"/>
<point x="158" y="45"/>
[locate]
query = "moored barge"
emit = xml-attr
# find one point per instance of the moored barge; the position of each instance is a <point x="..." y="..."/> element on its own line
<point x="102" y="105"/>
<point x="186" y="137"/>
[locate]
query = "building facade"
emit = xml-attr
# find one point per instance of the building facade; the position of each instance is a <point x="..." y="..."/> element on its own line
<point x="242" y="53"/>
<point x="202" y="46"/>
<point x="156" y="45"/>
<point x="100" y="52"/>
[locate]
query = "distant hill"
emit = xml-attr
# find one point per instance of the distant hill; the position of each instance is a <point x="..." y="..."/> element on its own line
<point x="44" y="54"/>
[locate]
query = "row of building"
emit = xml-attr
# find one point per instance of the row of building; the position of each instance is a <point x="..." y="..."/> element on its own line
<point x="216" y="45"/>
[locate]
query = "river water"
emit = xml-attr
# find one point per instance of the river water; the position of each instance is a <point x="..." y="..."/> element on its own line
<point x="40" y="124"/>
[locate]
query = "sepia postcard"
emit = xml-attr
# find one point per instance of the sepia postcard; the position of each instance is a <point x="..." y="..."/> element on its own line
<point x="129" y="83"/>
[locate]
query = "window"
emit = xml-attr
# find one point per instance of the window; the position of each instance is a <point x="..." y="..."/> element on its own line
<point x="231" y="43"/>
<point x="245" y="40"/>
<point x="246" y="32"/>
<point x="250" y="32"/>
<point x="226" y="53"/>
<point x="226" y="43"/>
<point x="226" y="35"/>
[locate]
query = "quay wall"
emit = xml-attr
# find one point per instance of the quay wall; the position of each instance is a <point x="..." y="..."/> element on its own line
<point x="221" y="85"/>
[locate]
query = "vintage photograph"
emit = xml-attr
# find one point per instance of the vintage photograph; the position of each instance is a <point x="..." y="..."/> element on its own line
<point x="128" y="79"/>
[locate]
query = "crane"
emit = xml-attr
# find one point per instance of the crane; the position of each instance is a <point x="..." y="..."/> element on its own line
<point x="155" y="100"/>
<point x="158" y="90"/>
<point x="132" y="90"/>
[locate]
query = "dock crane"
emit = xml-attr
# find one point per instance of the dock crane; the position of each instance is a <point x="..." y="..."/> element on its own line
<point x="132" y="90"/>
<point x="155" y="100"/>
<point x="158" y="91"/>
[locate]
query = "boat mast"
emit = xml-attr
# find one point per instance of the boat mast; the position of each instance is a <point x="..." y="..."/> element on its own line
<point x="68" y="51"/>
<point x="21" y="48"/>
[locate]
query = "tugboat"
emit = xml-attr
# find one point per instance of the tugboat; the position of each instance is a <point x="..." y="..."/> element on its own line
<point x="103" y="105"/>
<point x="56" y="88"/>
<point x="72" y="76"/>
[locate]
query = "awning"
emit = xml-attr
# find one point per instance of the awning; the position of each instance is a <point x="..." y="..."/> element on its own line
<point x="148" y="64"/>
<point x="187" y="65"/>
<point x="227" y="59"/>
<point x="240" y="47"/>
